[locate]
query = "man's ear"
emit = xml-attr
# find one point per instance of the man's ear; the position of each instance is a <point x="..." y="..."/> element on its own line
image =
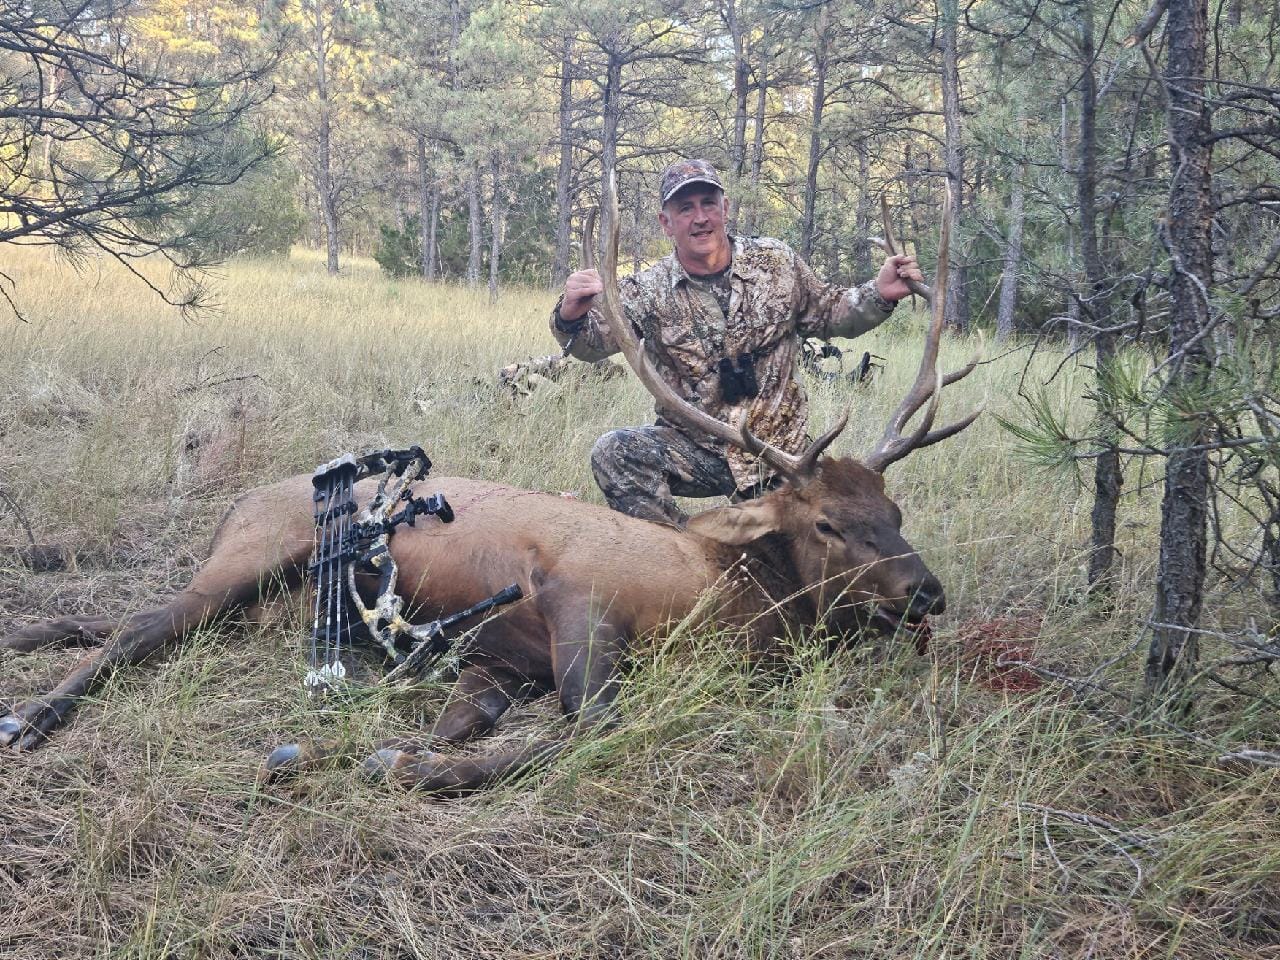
<point x="738" y="524"/>
<point x="665" y="222"/>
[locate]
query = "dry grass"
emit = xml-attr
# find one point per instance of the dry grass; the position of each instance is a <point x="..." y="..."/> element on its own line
<point x="878" y="805"/>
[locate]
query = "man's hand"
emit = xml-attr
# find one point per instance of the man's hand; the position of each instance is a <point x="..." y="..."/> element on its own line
<point x="579" y="290"/>
<point x="891" y="283"/>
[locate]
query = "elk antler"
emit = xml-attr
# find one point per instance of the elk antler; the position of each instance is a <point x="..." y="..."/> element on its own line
<point x="889" y="244"/>
<point x="893" y="446"/>
<point x="798" y="469"/>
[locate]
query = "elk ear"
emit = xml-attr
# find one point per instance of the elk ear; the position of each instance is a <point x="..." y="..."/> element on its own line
<point x="740" y="523"/>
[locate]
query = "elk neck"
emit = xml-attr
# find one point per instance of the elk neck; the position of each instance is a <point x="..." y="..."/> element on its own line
<point x="765" y="578"/>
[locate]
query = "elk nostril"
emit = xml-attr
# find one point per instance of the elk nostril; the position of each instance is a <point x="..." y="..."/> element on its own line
<point x="928" y="598"/>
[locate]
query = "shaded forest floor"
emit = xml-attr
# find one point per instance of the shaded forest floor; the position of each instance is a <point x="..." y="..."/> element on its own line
<point x="880" y="804"/>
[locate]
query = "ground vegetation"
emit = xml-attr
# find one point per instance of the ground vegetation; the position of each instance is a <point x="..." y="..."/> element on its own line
<point x="1002" y="795"/>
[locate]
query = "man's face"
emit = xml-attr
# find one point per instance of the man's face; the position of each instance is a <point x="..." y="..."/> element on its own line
<point x="694" y="219"/>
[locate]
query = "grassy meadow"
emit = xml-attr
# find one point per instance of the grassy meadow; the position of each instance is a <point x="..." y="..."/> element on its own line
<point x="880" y="804"/>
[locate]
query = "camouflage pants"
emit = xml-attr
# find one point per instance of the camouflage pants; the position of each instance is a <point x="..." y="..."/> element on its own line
<point x="641" y="471"/>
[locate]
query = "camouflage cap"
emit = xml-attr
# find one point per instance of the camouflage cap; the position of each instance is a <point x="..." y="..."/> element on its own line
<point x="684" y="172"/>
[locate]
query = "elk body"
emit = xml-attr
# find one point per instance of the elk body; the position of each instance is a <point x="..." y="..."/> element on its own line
<point x="824" y="549"/>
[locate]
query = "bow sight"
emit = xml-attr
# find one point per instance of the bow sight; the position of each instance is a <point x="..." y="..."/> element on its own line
<point x="350" y="541"/>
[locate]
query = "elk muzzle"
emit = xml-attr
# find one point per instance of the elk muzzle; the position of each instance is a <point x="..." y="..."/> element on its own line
<point x="916" y="599"/>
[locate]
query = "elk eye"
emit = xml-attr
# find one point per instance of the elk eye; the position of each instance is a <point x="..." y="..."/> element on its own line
<point x="827" y="530"/>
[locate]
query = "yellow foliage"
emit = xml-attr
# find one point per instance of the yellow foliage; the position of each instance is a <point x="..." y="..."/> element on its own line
<point x="197" y="28"/>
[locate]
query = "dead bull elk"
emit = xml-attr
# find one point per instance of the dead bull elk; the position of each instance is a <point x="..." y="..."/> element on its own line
<point x="823" y="548"/>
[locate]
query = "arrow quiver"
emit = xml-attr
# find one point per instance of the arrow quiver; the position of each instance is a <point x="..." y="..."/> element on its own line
<point x="350" y="540"/>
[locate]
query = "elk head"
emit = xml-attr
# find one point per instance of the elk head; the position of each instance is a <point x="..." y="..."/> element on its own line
<point x="831" y="519"/>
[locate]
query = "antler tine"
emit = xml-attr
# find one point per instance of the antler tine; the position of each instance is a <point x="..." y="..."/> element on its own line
<point x="889" y="244"/>
<point x="928" y="384"/>
<point x="886" y="221"/>
<point x="589" y="240"/>
<point x="797" y="469"/>
<point x="809" y="459"/>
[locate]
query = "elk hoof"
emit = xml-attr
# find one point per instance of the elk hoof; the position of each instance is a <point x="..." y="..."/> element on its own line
<point x="28" y="726"/>
<point x="10" y="730"/>
<point x="281" y="763"/>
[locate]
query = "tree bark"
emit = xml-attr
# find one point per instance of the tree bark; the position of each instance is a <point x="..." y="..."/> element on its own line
<point x="1108" y="480"/>
<point x="324" y="142"/>
<point x="611" y="114"/>
<point x="497" y="225"/>
<point x="424" y="210"/>
<point x="564" y="174"/>
<point x="808" y="226"/>
<point x="862" y="213"/>
<point x="752" y="223"/>
<point x="738" y="150"/>
<point x="1068" y="229"/>
<point x="909" y="212"/>
<point x="474" y="228"/>
<point x="957" y="307"/>
<point x="1184" y="511"/>
<point x="431" y="249"/>
<point x="1007" y="309"/>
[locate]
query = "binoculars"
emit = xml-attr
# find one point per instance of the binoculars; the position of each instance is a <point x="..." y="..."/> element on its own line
<point x="738" y="378"/>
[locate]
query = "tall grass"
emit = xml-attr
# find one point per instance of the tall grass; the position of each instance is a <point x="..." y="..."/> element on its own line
<point x="877" y="804"/>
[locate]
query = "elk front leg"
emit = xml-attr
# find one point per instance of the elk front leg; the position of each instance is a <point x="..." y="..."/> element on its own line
<point x="477" y="701"/>
<point x="68" y="631"/>
<point x="586" y="665"/>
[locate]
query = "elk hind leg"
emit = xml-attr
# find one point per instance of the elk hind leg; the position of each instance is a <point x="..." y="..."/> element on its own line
<point x="244" y="558"/>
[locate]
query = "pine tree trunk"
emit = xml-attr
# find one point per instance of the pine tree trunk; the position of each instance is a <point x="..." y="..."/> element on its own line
<point x="564" y="174"/>
<point x="474" y="228"/>
<point x="431" y="249"/>
<point x="1068" y="229"/>
<point x="808" y="226"/>
<point x="324" y="146"/>
<point x="752" y="222"/>
<point x="738" y="149"/>
<point x="424" y="210"/>
<point x="1007" y="309"/>
<point x="863" y="266"/>
<point x="957" y="307"/>
<point x="497" y="223"/>
<point x="908" y="213"/>
<point x="1184" y="511"/>
<point x="611" y="115"/>
<point x="1108" y="480"/>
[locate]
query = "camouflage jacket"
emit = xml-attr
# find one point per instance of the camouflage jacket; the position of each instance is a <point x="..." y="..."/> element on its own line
<point x="775" y="302"/>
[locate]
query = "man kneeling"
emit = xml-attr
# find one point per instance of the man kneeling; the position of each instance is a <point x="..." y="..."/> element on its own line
<point x="723" y="319"/>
